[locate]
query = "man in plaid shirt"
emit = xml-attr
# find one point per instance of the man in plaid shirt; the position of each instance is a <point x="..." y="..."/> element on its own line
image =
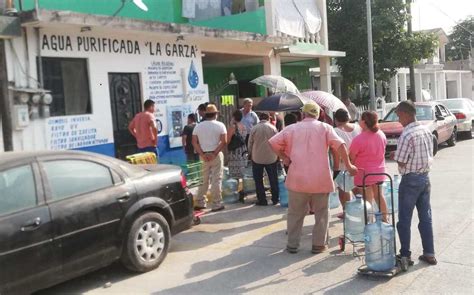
<point x="414" y="156"/>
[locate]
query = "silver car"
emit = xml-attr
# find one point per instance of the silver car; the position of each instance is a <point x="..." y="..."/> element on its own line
<point x="463" y="109"/>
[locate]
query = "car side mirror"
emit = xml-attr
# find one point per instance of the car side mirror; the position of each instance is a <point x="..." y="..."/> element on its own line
<point x="439" y="118"/>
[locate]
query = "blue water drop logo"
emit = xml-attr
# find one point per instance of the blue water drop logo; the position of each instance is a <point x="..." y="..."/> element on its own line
<point x="193" y="77"/>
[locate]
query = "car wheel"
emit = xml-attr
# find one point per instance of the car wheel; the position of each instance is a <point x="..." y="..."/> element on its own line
<point x="435" y="145"/>
<point x="469" y="133"/>
<point x="147" y="243"/>
<point x="452" y="140"/>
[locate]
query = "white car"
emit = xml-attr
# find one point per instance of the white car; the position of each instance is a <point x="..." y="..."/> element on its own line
<point x="463" y="109"/>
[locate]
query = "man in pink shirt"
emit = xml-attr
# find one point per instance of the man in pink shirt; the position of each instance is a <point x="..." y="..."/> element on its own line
<point x="143" y="128"/>
<point x="304" y="148"/>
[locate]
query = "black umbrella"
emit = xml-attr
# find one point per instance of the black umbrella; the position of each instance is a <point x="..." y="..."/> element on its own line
<point x="281" y="102"/>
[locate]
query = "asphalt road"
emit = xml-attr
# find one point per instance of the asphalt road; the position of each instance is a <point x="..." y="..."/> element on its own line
<point x="240" y="250"/>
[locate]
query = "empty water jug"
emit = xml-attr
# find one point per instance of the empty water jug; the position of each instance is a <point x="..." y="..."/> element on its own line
<point x="283" y="191"/>
<point x="334" y="200"/>
<point x="248" y="182"/>
<point x="226" y="173"/>
<point x="379" y="245"/>
<point x="230" y="191"/>
<point x="354" y="221"/>
<point x="387" y="192"/>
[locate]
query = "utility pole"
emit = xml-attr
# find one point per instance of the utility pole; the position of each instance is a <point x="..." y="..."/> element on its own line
<point x="370" y="56"/>
<point x="411" y="66"/>
<point x="5" y="104"/>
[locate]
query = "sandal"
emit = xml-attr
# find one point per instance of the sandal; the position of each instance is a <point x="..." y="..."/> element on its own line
<point x="431" y="260"/>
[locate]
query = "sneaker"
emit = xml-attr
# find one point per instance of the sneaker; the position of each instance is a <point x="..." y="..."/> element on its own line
<point x="218" y="209"/>
<point x="405" y="262"/>
<point x="199" y="208"/>
<point x="410" y="261"/>
<point x="275" y="203"/>
<point x="318" y="249"/>
<point x="291" y="250"/>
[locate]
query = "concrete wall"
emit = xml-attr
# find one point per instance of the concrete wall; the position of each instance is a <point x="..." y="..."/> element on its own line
<point x="158" y="10"/>
<point x="39" y="134"/>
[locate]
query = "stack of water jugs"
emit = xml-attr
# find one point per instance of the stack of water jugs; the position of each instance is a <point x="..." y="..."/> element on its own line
<point x="230" y="187"/>
<point x="377" y="236"/>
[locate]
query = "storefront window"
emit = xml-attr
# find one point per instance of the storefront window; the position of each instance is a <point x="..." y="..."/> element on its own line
<point x="68" y="81"/>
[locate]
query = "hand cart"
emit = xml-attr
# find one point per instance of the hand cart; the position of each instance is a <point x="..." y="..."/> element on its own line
<point x="364" y="270"/>
<point x="193" y="173"/>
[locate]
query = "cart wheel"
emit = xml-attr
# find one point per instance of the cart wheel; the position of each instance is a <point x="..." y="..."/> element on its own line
<point x="342" y="243"/>
<point x="197" y="220"/>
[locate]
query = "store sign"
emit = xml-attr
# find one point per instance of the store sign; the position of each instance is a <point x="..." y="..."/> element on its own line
<point x="73" y="132"/>
<point x="57" y="43"/>
<point x="170" y="73"/>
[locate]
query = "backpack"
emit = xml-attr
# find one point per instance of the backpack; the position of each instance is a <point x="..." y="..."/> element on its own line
<point x="236" y="141"/>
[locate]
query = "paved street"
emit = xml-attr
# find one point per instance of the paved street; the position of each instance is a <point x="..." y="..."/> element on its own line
<point x="240" y="250"/>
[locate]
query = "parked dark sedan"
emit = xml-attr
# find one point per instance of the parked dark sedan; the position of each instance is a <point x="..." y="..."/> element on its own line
<point x="63" y="214"/>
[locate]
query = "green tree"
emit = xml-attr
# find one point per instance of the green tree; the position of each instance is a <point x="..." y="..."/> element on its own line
<point x="461" y="40"/>
<point x="393" y="48"/>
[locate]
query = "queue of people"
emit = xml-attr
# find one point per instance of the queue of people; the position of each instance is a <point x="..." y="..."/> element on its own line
<point x="302" y="147"/>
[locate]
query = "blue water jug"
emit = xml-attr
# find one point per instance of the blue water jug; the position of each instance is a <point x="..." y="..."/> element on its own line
<point x="247" y="180"/>
<point x="283" y="191"/>
<point x="387" y="192"/>
<point x="379" y="245"/>
<point x="334" y="200"/>
<point x="354" y="221"/>
<point x="229" y="191"/>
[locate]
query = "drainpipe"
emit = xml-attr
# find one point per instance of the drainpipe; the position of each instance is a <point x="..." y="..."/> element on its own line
<point x="40" y="59"/>
<point x="5" y="102"/>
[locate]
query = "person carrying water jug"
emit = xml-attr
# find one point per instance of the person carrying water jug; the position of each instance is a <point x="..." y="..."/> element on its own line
<point x="304" y="148"/>
<point x="414" y="155"/>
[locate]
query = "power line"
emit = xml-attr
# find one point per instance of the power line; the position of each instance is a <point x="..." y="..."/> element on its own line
<point x="457" y="22"/>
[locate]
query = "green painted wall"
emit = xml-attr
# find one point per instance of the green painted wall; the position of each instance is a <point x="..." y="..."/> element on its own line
<point x="252" y="21"/>
<point x="297" y="72"/>
<point x="216" y="77"/>
<point x="158" y="10"/>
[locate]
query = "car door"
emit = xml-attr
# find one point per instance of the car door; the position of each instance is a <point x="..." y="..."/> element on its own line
<point x="27" y="259"/>
<point x="449" y="121"/>
<point x="440" y="125"/>
<point x="86" y="201"/>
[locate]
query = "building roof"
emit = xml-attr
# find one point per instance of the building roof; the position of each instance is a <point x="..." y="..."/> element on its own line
<point x="438" y="31"/>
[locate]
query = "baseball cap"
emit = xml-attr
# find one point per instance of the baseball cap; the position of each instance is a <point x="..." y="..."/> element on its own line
<point x="311" y="108"/>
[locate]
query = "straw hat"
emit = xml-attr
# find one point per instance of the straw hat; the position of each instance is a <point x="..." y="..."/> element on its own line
<point x="211" y="109"/>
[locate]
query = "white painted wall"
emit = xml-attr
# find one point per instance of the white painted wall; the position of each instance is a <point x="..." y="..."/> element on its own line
<point x="35" y="137"/>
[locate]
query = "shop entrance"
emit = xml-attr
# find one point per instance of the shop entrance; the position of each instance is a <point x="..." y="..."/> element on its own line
<point x="125" y="101"/>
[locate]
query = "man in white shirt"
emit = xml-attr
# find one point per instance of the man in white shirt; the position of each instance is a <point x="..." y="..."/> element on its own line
<point x="209" y="138"/>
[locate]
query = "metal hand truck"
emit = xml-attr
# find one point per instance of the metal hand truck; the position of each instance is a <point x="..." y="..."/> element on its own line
<point x="364" y="270"/>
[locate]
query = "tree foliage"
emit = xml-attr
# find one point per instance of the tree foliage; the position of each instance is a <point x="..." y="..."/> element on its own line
<point x="393" y="48"/>
<point x="461" y="40"/>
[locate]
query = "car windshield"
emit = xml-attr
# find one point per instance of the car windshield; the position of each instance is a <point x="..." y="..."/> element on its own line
<point x="423" y="113"/>
<point x="454" y="104"/>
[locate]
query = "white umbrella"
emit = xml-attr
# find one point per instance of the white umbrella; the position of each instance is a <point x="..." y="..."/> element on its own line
<point x="277" y="83"/>
<point x="326" y="100"/>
